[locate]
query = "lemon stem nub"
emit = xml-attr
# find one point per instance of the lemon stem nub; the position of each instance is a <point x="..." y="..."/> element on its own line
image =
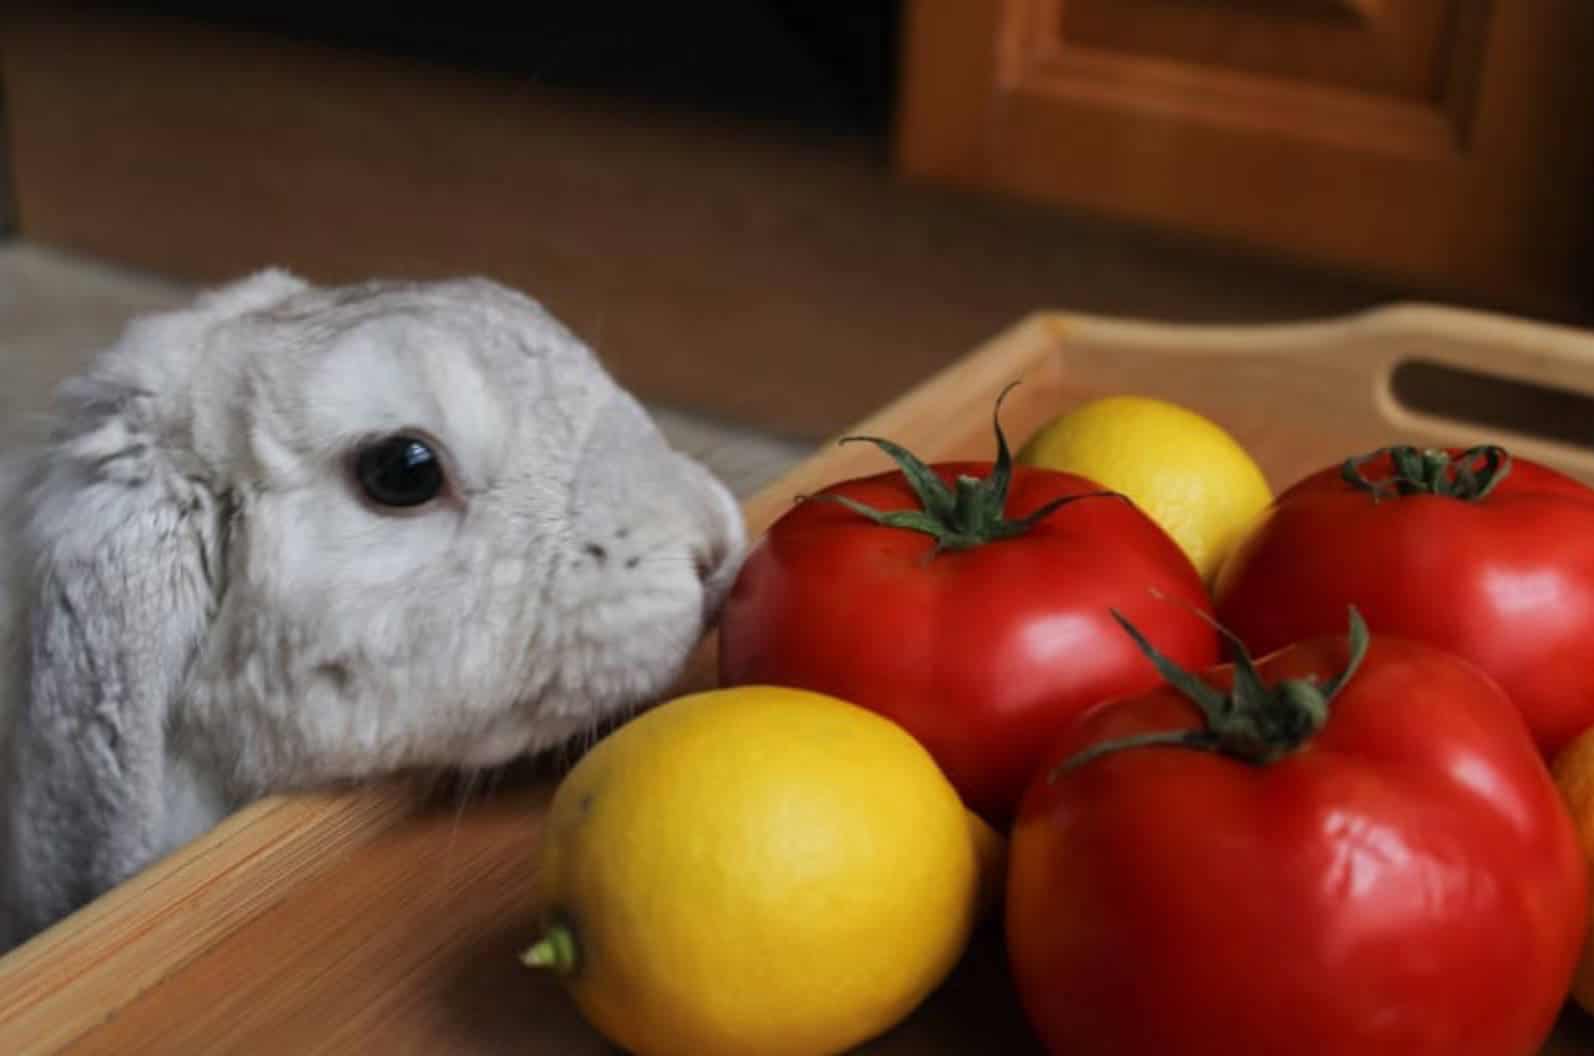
<point x="554" y="952"/>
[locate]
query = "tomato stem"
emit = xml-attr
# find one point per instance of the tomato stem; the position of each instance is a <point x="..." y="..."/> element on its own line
<point x="970" y="513"/>
<point x="1470" y="476"/>
<point x="1197" y="739"/>
<point x="1253" y="722"/>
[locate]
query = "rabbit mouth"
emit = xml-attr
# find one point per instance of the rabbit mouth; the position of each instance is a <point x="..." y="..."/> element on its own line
<point x="513" y="741"/>
<point x="533" y="729"/>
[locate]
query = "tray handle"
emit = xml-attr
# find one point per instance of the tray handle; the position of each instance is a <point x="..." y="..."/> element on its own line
<point x="1415" y="373"/>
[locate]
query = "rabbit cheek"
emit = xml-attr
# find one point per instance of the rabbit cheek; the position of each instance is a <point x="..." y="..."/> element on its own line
<point x="629" y="614"/>
<point x="361" y="644"/>
<point x="654" y="535"/>
<point x="330" y="544"/>
<point x="194" y="799"/>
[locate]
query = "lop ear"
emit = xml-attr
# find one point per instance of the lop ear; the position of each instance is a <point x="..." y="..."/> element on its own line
<point x="121" y="552"/>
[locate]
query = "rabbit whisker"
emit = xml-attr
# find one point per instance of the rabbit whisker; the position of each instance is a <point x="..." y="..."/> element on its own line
<point x="462" y="798"/>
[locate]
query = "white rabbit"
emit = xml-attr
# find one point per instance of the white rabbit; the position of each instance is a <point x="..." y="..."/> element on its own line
<point x="291" y="536"/>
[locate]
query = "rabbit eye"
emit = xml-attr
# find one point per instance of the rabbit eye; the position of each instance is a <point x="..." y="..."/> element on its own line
<point x="399" y="471"/>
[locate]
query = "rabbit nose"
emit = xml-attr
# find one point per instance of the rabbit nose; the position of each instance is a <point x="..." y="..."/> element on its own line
<point x="709" y="556"/>
<point x="717" y="555"/>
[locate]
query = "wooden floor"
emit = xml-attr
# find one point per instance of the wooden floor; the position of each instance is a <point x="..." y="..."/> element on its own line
<point x="762" y="273"/>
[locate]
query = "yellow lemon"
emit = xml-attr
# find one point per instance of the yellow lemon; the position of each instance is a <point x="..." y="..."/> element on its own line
<point x="756" y="870"/>
<point x="1185" y="471"/>
<point x="1573" y="769"/>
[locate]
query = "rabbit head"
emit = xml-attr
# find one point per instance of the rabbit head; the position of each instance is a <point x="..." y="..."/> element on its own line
<point x="292" y="536"/>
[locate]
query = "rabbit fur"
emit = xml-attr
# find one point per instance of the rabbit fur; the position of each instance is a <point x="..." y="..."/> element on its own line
<point x="200" y="605"/>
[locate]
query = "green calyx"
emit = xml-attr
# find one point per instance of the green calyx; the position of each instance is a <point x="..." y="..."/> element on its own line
<point x="1253" y="722"/>
<point x="969" y="513"/>
<point x="1469" y="477"/>
<point x="554" y="952"/>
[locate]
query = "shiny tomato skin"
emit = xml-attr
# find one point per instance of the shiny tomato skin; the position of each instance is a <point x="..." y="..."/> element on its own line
<point x="1406" y="883"/>
<point x="982" y="654"/>
<point x="1506" y="582"/>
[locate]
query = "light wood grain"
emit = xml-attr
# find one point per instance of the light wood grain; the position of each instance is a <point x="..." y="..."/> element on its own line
<point x="386" y="919"/>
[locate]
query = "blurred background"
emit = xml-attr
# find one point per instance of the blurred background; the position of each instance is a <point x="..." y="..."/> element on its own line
<point x="772" y="217"/>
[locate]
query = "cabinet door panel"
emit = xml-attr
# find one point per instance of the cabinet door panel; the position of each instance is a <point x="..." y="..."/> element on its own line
<point x="1450" y="142"/>
<point x="1388" y="49"/>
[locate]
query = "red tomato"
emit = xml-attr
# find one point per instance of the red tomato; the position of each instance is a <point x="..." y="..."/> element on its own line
<point x="981" y="646"/>
<point x="1401" y="879"/>
<point x="1504" y="579"/>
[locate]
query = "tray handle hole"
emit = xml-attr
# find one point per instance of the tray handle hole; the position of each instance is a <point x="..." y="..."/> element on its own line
<point x="1494" y="401"/>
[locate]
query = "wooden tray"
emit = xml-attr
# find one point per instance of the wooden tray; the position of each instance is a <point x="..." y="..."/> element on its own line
<point x="386" y="919"/>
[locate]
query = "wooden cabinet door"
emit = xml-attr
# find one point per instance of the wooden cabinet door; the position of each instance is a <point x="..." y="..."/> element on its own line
<point x="1446" y="142"/>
